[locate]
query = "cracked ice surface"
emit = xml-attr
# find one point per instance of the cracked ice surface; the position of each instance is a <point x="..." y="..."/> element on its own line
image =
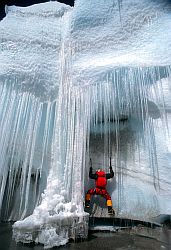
<point x="99" y="64"/>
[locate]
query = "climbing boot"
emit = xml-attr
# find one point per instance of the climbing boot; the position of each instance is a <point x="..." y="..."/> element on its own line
<point x="111" y="211"/>
<point x="87" y="204"/>
<point x="87" y="201"/>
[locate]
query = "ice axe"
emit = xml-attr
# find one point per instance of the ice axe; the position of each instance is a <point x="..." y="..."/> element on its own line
<point x="90" y="163"/>
<point x="110" y="162"/>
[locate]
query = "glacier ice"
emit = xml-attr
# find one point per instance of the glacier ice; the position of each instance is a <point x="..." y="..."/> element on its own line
<point x="89" y="81"/>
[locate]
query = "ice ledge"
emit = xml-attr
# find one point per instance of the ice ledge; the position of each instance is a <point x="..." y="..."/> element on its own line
<point x="48" y="9"/>
<point x="54" y="233"/>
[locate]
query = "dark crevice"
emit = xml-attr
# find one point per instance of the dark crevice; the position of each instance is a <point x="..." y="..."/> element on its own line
<point x="120" y="223"/>
<point x="113" y="120"/>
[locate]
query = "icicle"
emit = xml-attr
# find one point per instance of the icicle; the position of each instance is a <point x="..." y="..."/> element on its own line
<point x="21" y="171"/>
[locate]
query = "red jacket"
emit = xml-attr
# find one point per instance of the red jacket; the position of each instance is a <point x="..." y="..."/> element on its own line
<point x="101" y="177"/>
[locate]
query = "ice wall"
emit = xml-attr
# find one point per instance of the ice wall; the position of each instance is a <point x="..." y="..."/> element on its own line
<point x="120" y="53"/>
<point x="30" y="48"/>
<point x="30" y="42"/>
<point x="129" y="36"/>
<point x="106" y="70"/>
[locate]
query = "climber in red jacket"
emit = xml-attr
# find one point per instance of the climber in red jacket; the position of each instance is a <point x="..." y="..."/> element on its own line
<point x="100" y="178"/>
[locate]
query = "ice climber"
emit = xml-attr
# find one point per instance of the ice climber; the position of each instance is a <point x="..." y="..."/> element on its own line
<point x="100" y="178"/>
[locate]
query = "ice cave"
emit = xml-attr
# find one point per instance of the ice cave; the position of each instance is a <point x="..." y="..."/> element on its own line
<point x="89" y="81"/>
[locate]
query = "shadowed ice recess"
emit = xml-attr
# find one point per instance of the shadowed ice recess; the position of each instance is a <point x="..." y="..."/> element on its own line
<point x="92" y="81"/>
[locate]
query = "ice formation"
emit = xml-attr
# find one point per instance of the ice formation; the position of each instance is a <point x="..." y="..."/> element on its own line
<point x="89" y="81"/>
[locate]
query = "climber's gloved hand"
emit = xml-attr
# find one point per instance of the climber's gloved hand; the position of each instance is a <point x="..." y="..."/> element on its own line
<point x="111" y="169"/>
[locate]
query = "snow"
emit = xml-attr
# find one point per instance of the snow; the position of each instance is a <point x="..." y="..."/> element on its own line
<point x="68" y="77"/>
<point x="132" y="40"/>
<point x="30" y="44"/>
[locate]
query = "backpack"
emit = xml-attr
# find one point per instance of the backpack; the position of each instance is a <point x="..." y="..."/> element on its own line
<point x="101" y="181"/>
